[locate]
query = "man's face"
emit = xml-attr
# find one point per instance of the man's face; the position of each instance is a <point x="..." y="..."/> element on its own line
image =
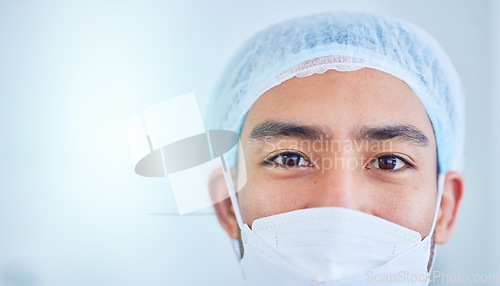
<point x="360" y="140"/>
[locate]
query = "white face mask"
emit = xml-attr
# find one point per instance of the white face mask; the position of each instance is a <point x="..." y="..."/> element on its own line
<point x="334" y="246"/>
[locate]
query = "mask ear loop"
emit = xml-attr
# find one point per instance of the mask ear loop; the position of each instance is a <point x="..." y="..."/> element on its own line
<point x="234" y="201"/>
<point x="441" y="178"/>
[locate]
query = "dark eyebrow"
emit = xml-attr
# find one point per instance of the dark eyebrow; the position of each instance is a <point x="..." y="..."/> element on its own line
<point x="405" y="132"/>
<point x="278" y="129"/>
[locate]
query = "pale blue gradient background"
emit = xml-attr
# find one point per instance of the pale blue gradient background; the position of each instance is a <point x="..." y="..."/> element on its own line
<point x="72" y="74"/>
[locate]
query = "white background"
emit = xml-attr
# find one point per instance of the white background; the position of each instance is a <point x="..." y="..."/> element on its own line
<point x="72" y="74"/>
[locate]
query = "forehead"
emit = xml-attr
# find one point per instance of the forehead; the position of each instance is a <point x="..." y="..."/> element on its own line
<point x="342" y="102"/>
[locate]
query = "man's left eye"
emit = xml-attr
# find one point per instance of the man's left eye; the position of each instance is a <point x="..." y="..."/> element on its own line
<point x="389" y="162"/>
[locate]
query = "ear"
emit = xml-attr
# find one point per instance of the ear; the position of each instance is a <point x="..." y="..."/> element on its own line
<point x="222" y="204"/>
<point x="452" y="194"/>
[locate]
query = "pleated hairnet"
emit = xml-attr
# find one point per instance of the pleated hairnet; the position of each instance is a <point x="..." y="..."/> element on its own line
<point x="346" y="41"/>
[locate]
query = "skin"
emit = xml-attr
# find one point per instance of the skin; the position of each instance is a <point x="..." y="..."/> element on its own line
<point x="393" y="178"/>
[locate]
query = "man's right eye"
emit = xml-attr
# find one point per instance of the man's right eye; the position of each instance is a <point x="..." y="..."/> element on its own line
<point x="289" y="160"/>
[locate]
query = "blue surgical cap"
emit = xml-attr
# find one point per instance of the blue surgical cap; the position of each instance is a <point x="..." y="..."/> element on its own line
<point x="346" y="41"/>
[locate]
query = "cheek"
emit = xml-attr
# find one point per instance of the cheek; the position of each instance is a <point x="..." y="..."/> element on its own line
<point x="411" y="207"/>
<point x="262" y="197"/>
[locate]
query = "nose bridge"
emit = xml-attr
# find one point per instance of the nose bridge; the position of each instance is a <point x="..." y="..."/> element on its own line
<point x="340" y="186"/>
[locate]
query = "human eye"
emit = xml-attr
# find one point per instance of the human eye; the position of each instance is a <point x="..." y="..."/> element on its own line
<point x="288" y="159"/>
<point x="390" y="162"/>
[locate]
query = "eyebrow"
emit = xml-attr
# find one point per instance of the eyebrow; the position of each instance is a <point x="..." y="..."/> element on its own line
<point x="278" y="129"/>
<point x="404" y="132"/>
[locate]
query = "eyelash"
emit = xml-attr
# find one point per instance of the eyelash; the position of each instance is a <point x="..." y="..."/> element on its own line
<point x="270" y="161"/>
<point x="407" y="162"/>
